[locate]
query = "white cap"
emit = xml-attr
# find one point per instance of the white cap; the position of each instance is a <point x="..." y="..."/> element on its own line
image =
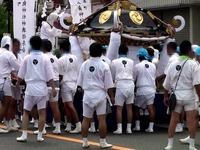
<point x="194" y="47"/>
<point x="52" y="18"/>
<point x="6" y="40"/>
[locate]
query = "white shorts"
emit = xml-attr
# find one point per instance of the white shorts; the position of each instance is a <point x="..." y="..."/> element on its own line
<point x="123" y="95"/>
<point x="67" y="93"/>
<point x="6" y="87"/>
<point x="30" y="101"/>
<point x="187" y="105"/>
<point x="143" y="101"/>
<point x="100" y="109"/>
<point x="16" y="92"/>
<point x="50" y="96"/>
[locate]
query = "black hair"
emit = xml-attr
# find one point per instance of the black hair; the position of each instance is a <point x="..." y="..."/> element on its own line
<point x="141" y="58"/>
<point x="96" y="49"/>
<point x="172" y="45"/>
<point x="65" y="45"/>
<point x="104" y="50"/>
<point x="36" y="42"/>
<point x="123" y="49"/>
<point x="185" y="47"/>
<point x="46" y="45"/>
<point x="150" y="51"/>
<point x="158" y="47"/>
<point x="15" y="41"/>
<point x="7" y="46"/>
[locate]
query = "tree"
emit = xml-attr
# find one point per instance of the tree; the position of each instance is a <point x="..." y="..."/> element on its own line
<point x="8" y="4"/>
<point x="3" y="21"/>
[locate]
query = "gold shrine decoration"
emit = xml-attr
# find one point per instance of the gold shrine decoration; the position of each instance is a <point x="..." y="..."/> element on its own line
<point x="105" y="16"/>
<point x="136" y="17"/>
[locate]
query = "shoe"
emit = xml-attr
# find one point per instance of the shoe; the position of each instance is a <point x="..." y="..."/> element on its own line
<point x="12" y="129"/>
<point x="36" y="125"/>
<point x="21" y="139"/>
<point x="192" y="148"/>
<point x="40" y="139"/>
<point x="85" y="145"/>
<point x="43" y="132"/>
<point x="92" y="130"/>
<point x="46" y="126"/>
<point x="14" y="124"/>
<point x="128" y="131"/>
<point x="56" y="131"/>
<point x="32" y="121"/>
<point x="136" y="129"/>
<point x="76" y="130"/>
<point x="68" y="129"/>
<point x="3" y="131"/>
<point x="149" y="130"/>
<point x="118" y="131"/>
<point x="185" y="140"/>
<point x="105" y="145"/>
<point x="169" y="147"/>
<point x="179" y="128"/>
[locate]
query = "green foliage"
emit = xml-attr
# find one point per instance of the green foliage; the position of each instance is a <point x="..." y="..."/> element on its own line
<point x="3" y="21"/>
<point x="6" y="5"/>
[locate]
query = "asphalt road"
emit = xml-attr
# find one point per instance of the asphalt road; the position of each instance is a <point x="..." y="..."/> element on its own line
<point x="66" y="141"/>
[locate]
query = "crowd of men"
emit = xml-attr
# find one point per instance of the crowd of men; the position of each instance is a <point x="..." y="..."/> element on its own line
<point x="112" y="80"/>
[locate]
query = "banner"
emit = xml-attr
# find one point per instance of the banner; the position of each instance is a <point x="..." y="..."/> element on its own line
<point x="23" y="22"/>
<point x="80" y="9"/>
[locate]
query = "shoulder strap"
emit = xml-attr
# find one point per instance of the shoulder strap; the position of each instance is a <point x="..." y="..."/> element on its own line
<point x="180" y="74"/>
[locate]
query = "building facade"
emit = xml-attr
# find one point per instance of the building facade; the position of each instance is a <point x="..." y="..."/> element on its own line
<point x="167" y="9"/>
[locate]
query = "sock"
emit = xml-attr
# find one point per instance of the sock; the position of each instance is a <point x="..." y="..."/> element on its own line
<point x="119" y="126"/>
<point x="192" y="141"/>
<point x="53" y="122"/>
<point x="137" y="123"/>
<point x="44" y="129"/>
<point x="69" y="125"/>
<point x="78" y="124"/>
<point x="57" y="126"/>
<point x="39" y="134"/>
<point x="92" y="125"/>
<point x="102" y="140"/>
<point x="151" y="124"/>
<point x="170" y="141"/>
<point x="24" y="133"/>
<point x="85" y="140"/>
<point x="128" y="126"/>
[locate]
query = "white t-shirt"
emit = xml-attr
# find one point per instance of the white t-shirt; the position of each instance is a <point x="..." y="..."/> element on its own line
<point x="48" y="32"/>
<point x="164" y="58"/>
<point x="76" y="49"/>
<point x="54" y="62"/>
<point x="156" y="54"/>
<point x="68" y="68"/>
<point x="105" y="59"/>
<point x="36" y="69"/>
<point x="95" y="79"/>
<point x="155" y="61"/>
<point x="189" y="77"/>
<point x="115" y="41"/>
<point x="8" y="61"/>
<point x="122" y="72"/>
<point x="171" y="59"/>
<point x="20" y="60"/>
<point x="145" y="74"/>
